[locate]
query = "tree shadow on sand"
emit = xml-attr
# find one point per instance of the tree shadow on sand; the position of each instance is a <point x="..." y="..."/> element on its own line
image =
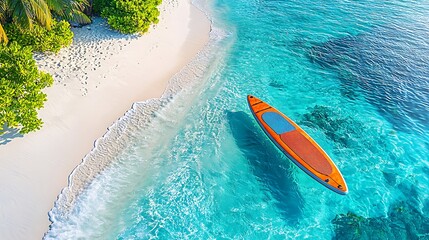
<point x="8" y="134"/>
<point x="272" y="168"/>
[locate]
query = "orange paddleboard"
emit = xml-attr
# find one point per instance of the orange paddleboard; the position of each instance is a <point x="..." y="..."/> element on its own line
<point x="297" y="145"/>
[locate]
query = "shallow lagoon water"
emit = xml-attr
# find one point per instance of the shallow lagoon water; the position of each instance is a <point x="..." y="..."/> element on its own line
<point x="353" y="74"/>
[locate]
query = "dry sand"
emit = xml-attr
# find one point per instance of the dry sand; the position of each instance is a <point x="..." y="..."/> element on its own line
<point x="96" y="81"/>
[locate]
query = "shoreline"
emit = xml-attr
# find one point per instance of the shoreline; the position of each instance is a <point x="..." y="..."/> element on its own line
<point x="35" y="168"/>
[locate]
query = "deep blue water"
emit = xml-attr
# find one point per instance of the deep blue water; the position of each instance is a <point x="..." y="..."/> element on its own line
<point x="353" y="74"/>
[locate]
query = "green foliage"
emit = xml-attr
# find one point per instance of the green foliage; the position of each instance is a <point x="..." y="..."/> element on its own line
<point x="28" y="13"/>
<point x="133" y="16"/>
<point x="41" y="39"/>
<point x="99" y="5"/>
<point x="21" y="85"/>
<point x="28" y="26"/>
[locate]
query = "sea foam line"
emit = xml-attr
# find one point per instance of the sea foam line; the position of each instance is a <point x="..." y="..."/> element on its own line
<point x="140" y="116"/>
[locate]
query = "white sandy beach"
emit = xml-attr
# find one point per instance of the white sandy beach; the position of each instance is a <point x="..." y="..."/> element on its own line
<point x="96" y="81"/>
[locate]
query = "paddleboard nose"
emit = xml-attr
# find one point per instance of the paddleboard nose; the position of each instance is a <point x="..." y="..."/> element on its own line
<point x="251" y="99"/>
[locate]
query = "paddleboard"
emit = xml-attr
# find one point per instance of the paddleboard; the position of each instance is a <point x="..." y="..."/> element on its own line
<point x="297" y="145"/>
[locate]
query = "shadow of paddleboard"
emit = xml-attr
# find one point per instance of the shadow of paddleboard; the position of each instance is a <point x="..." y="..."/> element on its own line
<point x="271" y="167"/>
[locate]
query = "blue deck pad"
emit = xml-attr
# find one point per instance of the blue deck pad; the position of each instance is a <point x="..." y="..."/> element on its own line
<point x="277" y="122"/>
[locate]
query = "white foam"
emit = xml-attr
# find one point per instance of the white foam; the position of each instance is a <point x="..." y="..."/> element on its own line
<point x="139" y="118"/>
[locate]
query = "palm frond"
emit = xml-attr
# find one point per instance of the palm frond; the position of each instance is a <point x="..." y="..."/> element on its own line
<point x="3" y="37"/>
<point x="3" y="15"/>
<point x="3" y="11"/>
<point x="70" y="10"/>
<point x="57" y="6"/>
<point x="26" y="12"/>
<point x="41" y="12"/>
<point x="79" y="17"/>
<point x="81" y="4"/>
<point x="21" y="13"/>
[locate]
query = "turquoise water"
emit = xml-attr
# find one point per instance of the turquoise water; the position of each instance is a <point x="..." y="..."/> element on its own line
<point x="353" y="74"/>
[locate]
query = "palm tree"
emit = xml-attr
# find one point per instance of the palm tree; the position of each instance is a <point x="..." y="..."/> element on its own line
<point x="24" y="13"/>
<point x="28" y="12"/>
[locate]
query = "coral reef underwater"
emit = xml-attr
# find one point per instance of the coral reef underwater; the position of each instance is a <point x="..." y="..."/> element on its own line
<point x="404" y="221"/>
